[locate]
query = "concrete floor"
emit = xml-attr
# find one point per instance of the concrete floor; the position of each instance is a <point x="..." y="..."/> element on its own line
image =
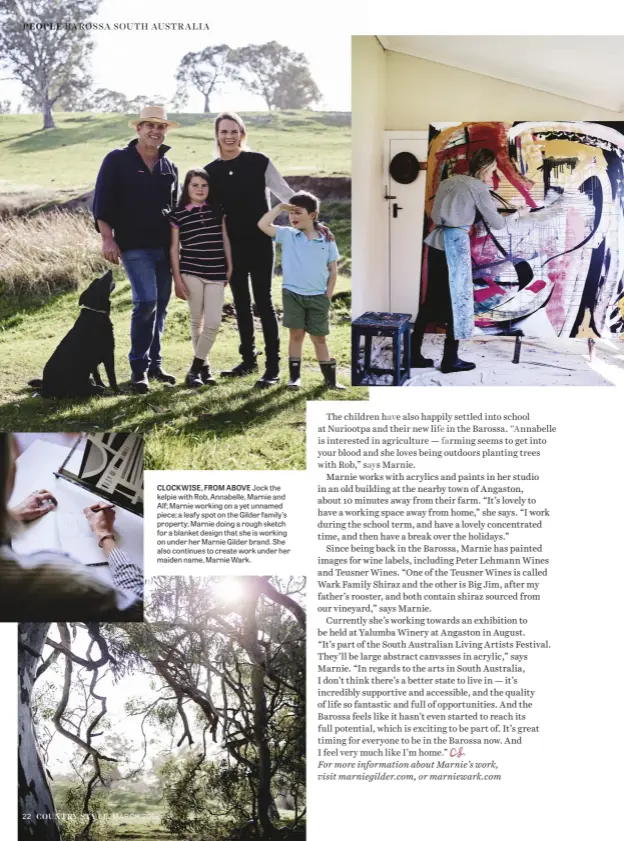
<point x="542" y="362"/>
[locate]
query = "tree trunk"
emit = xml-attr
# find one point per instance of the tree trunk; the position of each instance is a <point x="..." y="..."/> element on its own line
<point x="264" y="757"/>
<point x="48" y="119"/>
<point x="265" y="800"/>
<point x="207" y="103"/>
<point x="273" y="810"/>
<point x="37" y="821"/>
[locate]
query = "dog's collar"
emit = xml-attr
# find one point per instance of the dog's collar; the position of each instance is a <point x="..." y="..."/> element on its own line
<point x="84" y="307"/>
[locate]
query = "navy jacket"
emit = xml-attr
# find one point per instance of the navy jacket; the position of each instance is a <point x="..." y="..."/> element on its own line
<point x="134" y="202"/>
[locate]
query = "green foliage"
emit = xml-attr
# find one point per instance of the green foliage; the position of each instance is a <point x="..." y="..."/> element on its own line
<point x="204" y="70"/>
<point x="121" y="804"/>
<point x="295" y="87"/>
<point x="72" y="819"/>
<point x="337" y="216"/>
<point x="204" y="799"/>
<point x="50" y="63"/>
<point x="104" y="100"/>
<point x="212" y="793"/>
<point x="276" y="73"/>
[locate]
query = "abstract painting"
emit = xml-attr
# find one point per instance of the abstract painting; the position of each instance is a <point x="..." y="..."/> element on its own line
<point x="558" y="272"/>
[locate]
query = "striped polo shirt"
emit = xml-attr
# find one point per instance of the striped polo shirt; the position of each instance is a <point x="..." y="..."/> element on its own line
<point x="201" y="242"/>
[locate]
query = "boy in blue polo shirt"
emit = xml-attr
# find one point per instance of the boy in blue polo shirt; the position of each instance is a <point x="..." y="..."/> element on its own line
<point x="309" y="277"/>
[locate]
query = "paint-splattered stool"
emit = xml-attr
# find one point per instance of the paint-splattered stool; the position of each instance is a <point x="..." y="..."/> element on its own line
<point x="396" y="325"/>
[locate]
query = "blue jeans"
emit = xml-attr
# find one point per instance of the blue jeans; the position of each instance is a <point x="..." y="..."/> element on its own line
<point x="461" y="286"/>
<point x="149" y="274"/>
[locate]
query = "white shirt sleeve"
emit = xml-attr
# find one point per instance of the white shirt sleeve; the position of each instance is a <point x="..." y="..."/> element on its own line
<point x="276" y="184"/>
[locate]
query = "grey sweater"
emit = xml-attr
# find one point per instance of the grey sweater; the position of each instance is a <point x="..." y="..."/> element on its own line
<point x="456" y="204"/>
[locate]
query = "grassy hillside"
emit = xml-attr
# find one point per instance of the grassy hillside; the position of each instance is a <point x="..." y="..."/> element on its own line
<point x="68" y="156"/>
<point x="45" y="258"/>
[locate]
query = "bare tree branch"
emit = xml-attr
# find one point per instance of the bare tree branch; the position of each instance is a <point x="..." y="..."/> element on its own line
<point x="62" y="706"/>
<point x="290" y="604"/>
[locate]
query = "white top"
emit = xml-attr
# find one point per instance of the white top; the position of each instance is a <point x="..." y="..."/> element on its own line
<point x="276" y="184"/>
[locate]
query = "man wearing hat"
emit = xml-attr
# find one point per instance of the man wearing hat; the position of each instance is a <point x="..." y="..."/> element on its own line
<point x="135" y="191"/>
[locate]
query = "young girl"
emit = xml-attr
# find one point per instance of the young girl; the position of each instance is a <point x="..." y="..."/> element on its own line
<point x="201" y="263"/>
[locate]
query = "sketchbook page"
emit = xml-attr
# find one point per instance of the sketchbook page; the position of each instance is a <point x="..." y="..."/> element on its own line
<point x="66" y="528"/>
<point x="76" y="537"/>
<point x="35" y="471"/>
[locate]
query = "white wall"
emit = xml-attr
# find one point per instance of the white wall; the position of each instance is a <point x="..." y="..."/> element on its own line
<point x="419" y="92"/>
<point x="397" y="92"/>
<point x="368" y="207"/>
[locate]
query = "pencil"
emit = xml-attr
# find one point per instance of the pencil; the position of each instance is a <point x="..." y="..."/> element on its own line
<point x="103" y="506"/>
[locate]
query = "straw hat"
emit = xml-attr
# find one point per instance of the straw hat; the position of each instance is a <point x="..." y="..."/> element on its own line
<point x="153" y="113"/>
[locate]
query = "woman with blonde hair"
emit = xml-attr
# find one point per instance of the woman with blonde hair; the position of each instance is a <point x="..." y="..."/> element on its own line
<point x="458" y="201"/>
<point x="241" y="180"/>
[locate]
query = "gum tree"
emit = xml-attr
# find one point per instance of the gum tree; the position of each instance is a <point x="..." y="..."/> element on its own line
<point x="228" y="665"/>
<point x="50" y="62"/>
<point x="35" y="797"/>
<point x="278" y="74"/>
<point x="36" y="805"/>
<point x="205" y="70"/>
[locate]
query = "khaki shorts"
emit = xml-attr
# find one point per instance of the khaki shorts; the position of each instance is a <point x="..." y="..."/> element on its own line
<point x="306" y="312"/>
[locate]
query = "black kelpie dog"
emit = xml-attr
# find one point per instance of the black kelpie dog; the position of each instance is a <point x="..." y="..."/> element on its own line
<point x="89" y="343"/>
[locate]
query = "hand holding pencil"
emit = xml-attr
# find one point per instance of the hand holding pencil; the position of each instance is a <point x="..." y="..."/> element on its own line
<point x="101" y="518"/>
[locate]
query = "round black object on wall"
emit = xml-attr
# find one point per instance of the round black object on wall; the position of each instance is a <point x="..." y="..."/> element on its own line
<point x="404" y="167"/>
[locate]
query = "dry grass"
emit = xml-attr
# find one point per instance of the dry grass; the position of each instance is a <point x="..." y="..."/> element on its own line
<point x="21" y="203"/>
<point x="48" y="252"/>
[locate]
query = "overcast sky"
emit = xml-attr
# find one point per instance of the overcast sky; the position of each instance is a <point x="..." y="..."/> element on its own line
<point x="144" y="62"/>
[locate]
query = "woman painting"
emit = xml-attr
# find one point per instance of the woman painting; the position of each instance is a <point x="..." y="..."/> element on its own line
<point x="241" y="181"/>
<point x="450" y="297"/>
<point x="50" y="585"/>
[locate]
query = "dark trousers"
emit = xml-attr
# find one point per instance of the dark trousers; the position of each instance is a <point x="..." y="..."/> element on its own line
<point x="437" y="304"/>
<point x="253" y="259"/>
<point x="420" y="325"/>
